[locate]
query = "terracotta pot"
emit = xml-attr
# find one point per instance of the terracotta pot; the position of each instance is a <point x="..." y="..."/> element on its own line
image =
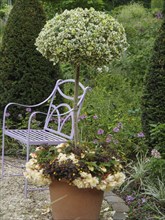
<point x="70" y="202"/>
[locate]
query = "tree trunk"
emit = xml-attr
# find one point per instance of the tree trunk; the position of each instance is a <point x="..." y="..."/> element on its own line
<point x="75" y="107"/>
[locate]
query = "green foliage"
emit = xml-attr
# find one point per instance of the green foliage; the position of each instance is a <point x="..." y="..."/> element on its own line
<point x="156" y="166"/>
<point x="141" y="29"/>
<point x="112" y="101"/>
<point x="137" y="173"/>
<point x="146" y="169"/>
<point x="51" y="7"/>
<point x="71" y="4"/>
<point x="157" y="4"/>
<point x="156" y="190"/>
<point x="25" y="76"/>
<point x="116" y="3"/>
<point x="4" y="13"/>
<point x="153" y="101"/>
<point x="117" y="90"/>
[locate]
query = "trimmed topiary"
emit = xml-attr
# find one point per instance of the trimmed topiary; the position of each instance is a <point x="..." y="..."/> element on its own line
<point x="153" y="100"/>
<point x="82" y="36"/>
<point x="25" y="75"/>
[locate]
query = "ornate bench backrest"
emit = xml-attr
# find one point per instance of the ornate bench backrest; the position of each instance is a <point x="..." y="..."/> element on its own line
<point x="59" y="118"/>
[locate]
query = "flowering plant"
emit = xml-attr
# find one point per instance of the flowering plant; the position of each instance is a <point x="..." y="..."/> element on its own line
<point x="87" y="166"/>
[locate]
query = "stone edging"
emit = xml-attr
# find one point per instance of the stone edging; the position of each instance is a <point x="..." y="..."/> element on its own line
<point x="118" y="205"/>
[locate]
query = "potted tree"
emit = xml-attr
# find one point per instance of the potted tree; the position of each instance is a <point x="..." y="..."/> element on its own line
<point x="78" y="171"/>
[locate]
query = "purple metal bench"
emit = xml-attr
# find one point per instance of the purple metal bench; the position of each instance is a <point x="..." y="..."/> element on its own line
<point x="47" y="135"/>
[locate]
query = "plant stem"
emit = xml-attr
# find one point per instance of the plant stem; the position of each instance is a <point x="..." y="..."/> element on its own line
<point x="75" y="107"/>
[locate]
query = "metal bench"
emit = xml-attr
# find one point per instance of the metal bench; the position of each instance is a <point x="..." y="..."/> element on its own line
<point x="47" y="135"/>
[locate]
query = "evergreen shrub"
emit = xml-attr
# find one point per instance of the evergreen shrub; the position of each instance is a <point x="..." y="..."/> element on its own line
<point x="25" y="75"/>
<point x="153" y="101"/>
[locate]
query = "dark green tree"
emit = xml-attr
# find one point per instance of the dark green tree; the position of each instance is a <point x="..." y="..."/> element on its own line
<point x="153" y="100"/>
<point x="25" y="75"/>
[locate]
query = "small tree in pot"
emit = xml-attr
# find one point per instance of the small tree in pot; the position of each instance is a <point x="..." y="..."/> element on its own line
<point x="81" y="171"/>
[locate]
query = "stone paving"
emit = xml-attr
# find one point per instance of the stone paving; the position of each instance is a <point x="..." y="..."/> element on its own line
<point x="118" y="205"/>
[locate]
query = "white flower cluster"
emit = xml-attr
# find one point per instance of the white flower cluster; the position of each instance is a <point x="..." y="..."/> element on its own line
<point x="112" y="181"/>
<point x="63" y="157"/>
<point x="87" y="181"/>
<point x="155" y="153"/>
<point x="35" y="174"/>
<point x="82" y="36"/>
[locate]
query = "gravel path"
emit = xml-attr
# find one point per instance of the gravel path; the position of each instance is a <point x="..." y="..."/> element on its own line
<point x="14" y="206"/>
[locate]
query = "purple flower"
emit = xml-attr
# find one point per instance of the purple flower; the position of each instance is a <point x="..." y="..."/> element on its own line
<point x="28" y="109"/>
<point x="116" y="129"/>
<point x="95" y="117"/>
<point x="140" y="135"/>
<point x="129" y="198"/>
<point x="143" y="200"/>
<point x="95" y="141"/>
<point x="159" y="15"/>
<point x="82" y="117"/>
<point x="120" y="125"/>
<point x="7" y="114"/>
<point x="100" y="131"/>
<point x="108" y="138"/>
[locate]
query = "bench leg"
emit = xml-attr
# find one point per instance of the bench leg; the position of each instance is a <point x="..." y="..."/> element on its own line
<point x="27" y="159"/>
<point x="3" y="153"/>
<point x="26" y="188"/>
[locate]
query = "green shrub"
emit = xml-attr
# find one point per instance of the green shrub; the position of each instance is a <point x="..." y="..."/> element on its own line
<point x="153" y="101"/>
<point x="25" y="76"/>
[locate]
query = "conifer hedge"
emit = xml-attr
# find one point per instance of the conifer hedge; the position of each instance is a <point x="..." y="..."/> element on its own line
<point x="153" y="100"/>
<point x="25" y="75"/>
